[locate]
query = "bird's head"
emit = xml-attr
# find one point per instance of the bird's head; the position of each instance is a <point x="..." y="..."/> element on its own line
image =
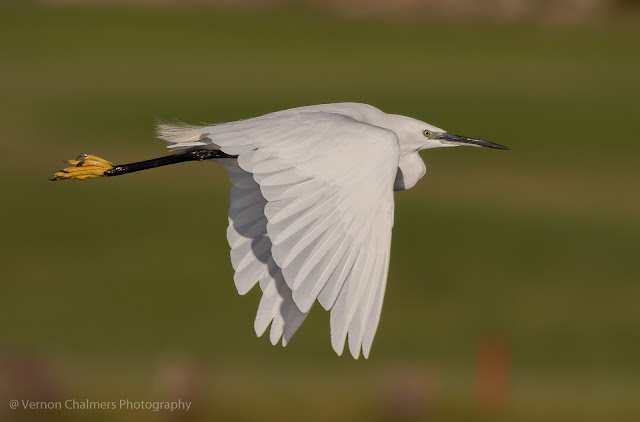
<point x="415" y="135"/>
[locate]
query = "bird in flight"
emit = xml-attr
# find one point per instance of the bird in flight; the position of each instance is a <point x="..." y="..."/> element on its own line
<point x="311" y="206"/>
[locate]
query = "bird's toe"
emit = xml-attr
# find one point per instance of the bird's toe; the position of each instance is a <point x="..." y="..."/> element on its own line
<point x="85" y="166"/>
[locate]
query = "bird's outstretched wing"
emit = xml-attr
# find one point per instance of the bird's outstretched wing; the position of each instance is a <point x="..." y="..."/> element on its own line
<point x="314" y="219"/>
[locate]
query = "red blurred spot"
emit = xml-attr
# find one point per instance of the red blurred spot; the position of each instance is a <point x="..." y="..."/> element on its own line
<point x="492" y="387"/>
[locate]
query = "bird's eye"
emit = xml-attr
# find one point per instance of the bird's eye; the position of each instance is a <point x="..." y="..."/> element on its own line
<point x="426" y="133"/>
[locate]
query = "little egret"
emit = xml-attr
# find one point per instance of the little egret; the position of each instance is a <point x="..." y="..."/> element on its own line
<point x="311" y="206"/>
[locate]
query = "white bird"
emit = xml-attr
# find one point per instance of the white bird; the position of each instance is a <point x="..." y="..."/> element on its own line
<point x="311" y="206"/>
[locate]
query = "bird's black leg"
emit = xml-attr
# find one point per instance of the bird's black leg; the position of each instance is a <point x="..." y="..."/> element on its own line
<point x="192" y="155"/>
<point x="91" y="167"/>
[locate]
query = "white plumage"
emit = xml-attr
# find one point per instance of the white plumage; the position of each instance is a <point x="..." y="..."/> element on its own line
<point x="311" y="209"/>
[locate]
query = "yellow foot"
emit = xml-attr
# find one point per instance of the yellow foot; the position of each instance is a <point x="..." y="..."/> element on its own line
<point x="84" y="167"/>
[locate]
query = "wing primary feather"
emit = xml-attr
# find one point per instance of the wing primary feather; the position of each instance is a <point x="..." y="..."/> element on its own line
<point x="331" y="289"/>
<point x="306" y="294"/>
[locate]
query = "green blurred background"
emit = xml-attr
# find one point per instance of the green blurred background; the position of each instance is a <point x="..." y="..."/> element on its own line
<point x="527" y="259"/>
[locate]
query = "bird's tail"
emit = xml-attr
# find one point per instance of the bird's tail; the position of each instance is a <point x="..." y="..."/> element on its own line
<point x="181" y="136"/>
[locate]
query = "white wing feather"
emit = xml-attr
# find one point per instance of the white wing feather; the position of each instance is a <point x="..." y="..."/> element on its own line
<point x="328" y="184"/>
<point x="310" y="217"/>
<point x="252" y="261"/>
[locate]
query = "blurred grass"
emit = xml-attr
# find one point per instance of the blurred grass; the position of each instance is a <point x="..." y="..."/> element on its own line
<point x="539" y="243"/>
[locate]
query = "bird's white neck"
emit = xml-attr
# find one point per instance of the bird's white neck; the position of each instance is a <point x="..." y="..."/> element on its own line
<point x="411" y="168"/>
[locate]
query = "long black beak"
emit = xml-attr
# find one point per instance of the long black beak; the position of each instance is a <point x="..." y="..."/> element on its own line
<point x="463" y="140"/>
